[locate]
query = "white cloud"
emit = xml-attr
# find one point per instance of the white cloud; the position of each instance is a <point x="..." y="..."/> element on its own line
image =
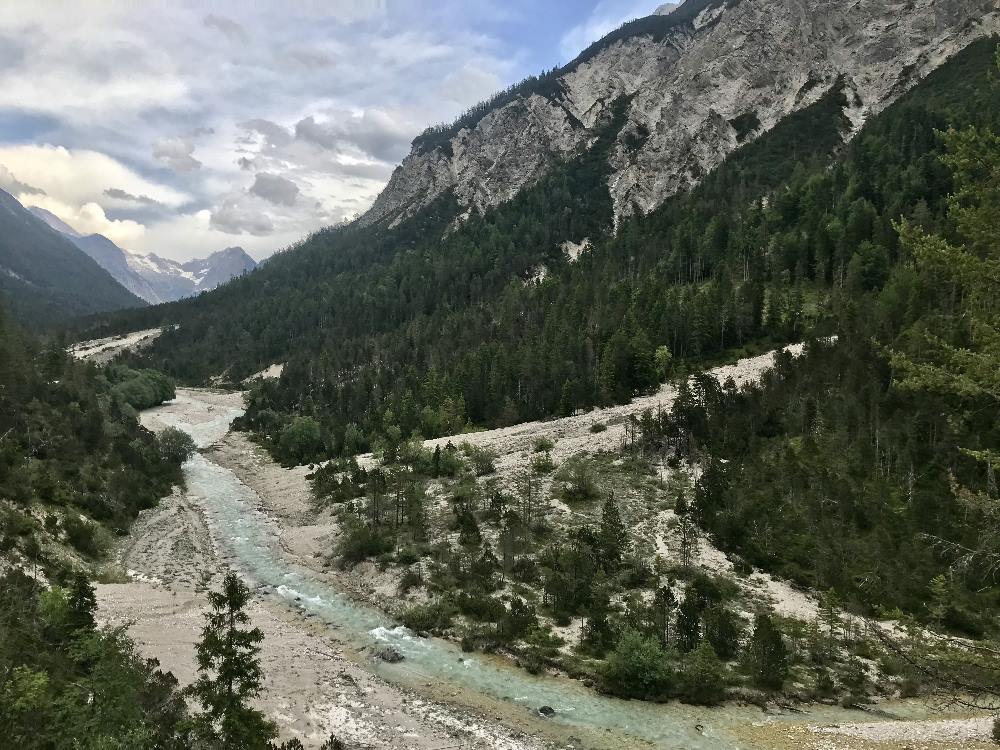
<point x="90" y="219"/>
<point x="606" y="16"/>
<point x="78" y="176"/>
<point x="270" y="119"/>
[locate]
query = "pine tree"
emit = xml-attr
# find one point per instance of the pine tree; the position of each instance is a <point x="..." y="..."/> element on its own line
<point x="230" y="674"/>
<point x="664" y="603"/>
<point x="82" y="603"/>
<point x="689" y="623"/>
<point x="766" y="656"/>
<point x="614" y="537"/>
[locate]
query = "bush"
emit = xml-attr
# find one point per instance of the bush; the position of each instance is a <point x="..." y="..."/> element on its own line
<point x="435" y="617"/>
<point x="482" y="459"/>
<point x="301" y="440"/>
<point x="361" y="541"/>
<point x="598" y="427"/>
<point x="411" y="579"/>
<point x="140" y="389"/>
<point x="637" y="668"/>
<point x="542" y="463"/>
<point x="542" y="445"/>
<point x="580" y="483"/>
<point x="82" y="536"/>
<point x="703" y="677"/>
<point x="175" y="446"/>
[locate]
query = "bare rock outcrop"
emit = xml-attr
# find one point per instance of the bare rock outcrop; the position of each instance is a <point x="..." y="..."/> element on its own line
<point x="700" y="79"/>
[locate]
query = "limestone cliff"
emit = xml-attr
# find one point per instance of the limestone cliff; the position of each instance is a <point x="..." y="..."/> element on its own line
<point x="701" y="79"/>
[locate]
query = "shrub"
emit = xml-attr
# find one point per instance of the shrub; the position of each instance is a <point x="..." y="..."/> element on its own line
<point x="435" y="617"/>
<point x="703" y="676"/>
<point x="542" y="463"/>
<point x="361" y="541"/>
<point x="482" y="459"/>
<point x="175" y="446"/>
<point x="301" y="440"/>
<point x="82" y="536"/>
<point x="542" y="445"/>
<point x="598" y="427"/>
<point x="580" y="483"/>
<point x="411" y="579"/>
<point x="637" y="668"/>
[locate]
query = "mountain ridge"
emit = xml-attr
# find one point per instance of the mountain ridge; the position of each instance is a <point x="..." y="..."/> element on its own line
<point x="44" y="277"/>
<point x="697" y="89"/>
<point x="151" y="277"/>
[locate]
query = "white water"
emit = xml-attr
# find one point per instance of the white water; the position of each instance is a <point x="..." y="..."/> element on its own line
<point x="249" y="537"/>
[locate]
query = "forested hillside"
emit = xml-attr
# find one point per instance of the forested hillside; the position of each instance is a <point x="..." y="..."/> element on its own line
<point x="44" y="278"/>
<point x="432" y="326"/>
<point x="868" y="466"/>
<point x="75" y="470"/>
<point x="76" y="466"/>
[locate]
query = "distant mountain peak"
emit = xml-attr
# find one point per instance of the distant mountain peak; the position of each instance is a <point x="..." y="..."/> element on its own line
<point x="149" y="276"/>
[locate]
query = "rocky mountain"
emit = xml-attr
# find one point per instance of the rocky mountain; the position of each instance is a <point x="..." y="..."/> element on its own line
<point x="44" y="278"/>
<point x="151" y="277"/>
<point x="699" y="79"/>
<point x="170" y="280"/>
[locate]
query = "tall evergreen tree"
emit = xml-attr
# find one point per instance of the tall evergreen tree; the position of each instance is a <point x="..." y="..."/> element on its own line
<point x="766" y="655"/>
<point x="230" y="675"/>
<point x="613" y="536"/>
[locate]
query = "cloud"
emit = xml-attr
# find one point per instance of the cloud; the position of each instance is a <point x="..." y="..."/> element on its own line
<point x="237" y="217"/>
<point x="124" y="195"/>
<point x="274" y="134"/>
<point x="78" y="176"/>
<point x="374" y="131"/>
<point x="606" y="16"/>
<point x="226" y="26"/>
<point x="14" y="186"/>
<point x="275" y="189"/>
<point x="189" y="117"/>
<point x="176" y="153"/>
<point x="90" y="218"/>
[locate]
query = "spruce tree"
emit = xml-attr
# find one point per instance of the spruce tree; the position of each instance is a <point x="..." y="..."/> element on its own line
<point x="614" y="537"/>
<point x="689" y="623"/>
<point x="766" y="656"/>
<point x="230" y="674"/>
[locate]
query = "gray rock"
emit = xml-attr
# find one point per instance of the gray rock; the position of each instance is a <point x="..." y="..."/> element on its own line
<point x="758" y="59"/>
<point x="389" y="654"/>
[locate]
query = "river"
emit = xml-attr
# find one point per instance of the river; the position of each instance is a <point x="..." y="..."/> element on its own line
<point x="250" y="536"/>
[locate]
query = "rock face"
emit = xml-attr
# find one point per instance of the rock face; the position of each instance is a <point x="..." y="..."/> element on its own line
<point x="701" y="78"/>
<point x="150" y="277"/>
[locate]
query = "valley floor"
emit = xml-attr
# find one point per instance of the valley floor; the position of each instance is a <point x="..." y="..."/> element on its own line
<point x="318" y="681"/>
<point x="315" y="684"/>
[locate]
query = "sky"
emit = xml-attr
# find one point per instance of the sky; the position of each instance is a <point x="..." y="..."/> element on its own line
<point x="181" y="128"/>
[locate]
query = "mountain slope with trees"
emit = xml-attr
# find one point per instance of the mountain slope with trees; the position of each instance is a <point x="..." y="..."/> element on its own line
<point x="44" y="278"/>
<point x="427" y="330"/>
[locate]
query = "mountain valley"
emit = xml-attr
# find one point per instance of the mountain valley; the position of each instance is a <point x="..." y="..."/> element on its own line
<point x="652" y="403"/>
